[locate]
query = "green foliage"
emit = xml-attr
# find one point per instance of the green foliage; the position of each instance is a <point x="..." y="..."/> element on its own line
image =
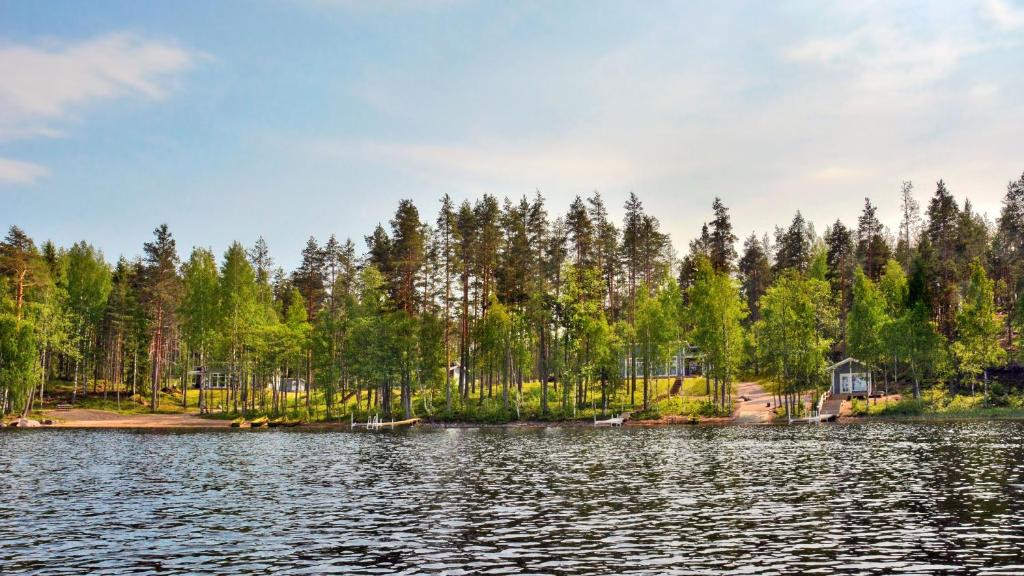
<point x="199" y="310"/>
<point x="917" y="342"/>
<point x="512" y="296"/>
<point x="715" y="312"/>
<point x="793" y="333"/>
<point x="18" y="366"/>
<point x="978" y="329"/>
<point x="866" y="321"/>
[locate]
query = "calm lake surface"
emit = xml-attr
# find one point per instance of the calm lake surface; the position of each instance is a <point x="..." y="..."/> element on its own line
<point x="845" y="498"/>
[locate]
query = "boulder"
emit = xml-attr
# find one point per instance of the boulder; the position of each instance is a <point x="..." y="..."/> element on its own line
<point x="25" y="423"/>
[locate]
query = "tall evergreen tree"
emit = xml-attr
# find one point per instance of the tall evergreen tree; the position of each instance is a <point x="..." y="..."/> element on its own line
<point x="755" y="271"/>
<point x="872" y="250"/>
<point x="446" y="221"/>
<point x="910" y="224"/>
<point x="21" y="260"/>
<point x="308" y="278"/>
<point x="793" y="251"/>
<point x="160" y="295"/>
<point x="1008" y="255"/>
<point x="606" y="253"/>
<point x="841" y="263"/>
<point x="407" y="255"/>
<point x="942" y="233"/>
<point x="722" y="245"/>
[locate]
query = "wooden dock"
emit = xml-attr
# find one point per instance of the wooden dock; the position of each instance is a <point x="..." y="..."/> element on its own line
<point x="375" y="423"/>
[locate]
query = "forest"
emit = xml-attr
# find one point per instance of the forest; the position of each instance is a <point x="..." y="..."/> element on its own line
<point x="500" y="310"/>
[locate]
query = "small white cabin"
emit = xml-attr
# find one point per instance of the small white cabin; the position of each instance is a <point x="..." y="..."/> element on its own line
<point x="455" y="373"/>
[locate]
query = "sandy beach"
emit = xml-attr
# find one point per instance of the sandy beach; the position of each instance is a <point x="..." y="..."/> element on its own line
<point x="86" y="418"/>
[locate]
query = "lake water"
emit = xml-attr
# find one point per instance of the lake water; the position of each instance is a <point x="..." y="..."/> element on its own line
<point x="843" y="498"/>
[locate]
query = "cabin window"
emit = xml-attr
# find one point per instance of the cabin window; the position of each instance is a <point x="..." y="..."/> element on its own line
<point x="852" y="383"/>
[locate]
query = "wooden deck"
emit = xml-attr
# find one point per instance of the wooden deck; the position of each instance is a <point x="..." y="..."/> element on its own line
<point x="831" y="406"/>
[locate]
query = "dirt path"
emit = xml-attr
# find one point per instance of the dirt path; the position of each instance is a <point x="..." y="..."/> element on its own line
<point x="86" y="418"/>
<point x="756" y="409"/>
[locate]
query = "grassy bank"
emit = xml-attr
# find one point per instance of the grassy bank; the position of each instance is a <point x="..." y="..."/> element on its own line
<point x="938" y="404"/>
<point x="689" y="402"/>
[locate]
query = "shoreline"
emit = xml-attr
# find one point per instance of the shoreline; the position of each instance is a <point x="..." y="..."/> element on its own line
<point x="103" y="420"/>
<point x="88" y="418"/>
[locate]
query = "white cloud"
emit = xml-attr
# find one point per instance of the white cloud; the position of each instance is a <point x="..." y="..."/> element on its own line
<point x="561" y="164"/>
<point x="46" y="83"/>
<point x="832" y="173"/>
<point x="19" y="172"/>
<point x="1004" y="14"/>
<point x="883" y="57"/>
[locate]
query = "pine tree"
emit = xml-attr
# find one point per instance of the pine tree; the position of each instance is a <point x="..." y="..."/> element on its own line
<point x="606" y="254"/>
<point x="942" y="233"/>
<point x="20" y="259"/>
<point x="308" y="278"/>
<point x="910" y="224"/>
<point x="700" y="249"/>
<point x="631" y="249"/>
<point x="160" y="296"/>
<point x="841" y="263"/>
<point x="581" y="234"/>
<point x="722" y="245"/>
<point x="487" y="216"/>
<point x="872" y="250"/>
<point x="1008" y="256"/>
<point x="446" y="221"/>
<point x="466" y="243"/>
<point x="793" y="251"/>
<point x="407" y="256"/>
<point x="755" y="275"/>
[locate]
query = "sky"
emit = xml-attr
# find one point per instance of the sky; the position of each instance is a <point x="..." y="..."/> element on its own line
<point x="290" y="118"/>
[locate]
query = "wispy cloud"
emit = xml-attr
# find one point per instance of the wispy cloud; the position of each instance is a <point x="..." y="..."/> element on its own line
<point x="47" y="83"/>
<point x="883" y="57"/>
<point x="1004" y="14"/>
<point x="19" y="172"/>
<point x="563" y="164"/>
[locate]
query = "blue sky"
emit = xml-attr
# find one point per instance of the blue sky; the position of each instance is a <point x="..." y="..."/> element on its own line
<point x="228" y="120"/>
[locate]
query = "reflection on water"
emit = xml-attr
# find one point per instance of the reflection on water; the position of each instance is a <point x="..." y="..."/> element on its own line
<point x="871" y="498"/>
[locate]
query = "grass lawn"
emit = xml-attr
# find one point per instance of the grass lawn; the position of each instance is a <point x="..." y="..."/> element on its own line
<point x="429" y="404"/>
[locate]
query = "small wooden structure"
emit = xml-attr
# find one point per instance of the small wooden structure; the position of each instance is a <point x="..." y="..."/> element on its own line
<point x="287" y="385"/>
<point x="687" y="360"/>
<point x="617" y="420"/>
<point x="214" y="377"/>
<point x="375" y="423"/>
<point x="455" y="373"/>
<point x="850" y="378"/>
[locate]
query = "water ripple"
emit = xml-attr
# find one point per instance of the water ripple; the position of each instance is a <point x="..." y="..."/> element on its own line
<point x="840" y="499"/>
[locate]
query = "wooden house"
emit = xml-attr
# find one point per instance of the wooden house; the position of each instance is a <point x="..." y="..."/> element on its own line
<point x="850" y="377"/>
<point x="686" y="360"/>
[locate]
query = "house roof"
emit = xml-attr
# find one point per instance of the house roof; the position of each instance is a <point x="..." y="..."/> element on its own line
<point x="846" y="361"/>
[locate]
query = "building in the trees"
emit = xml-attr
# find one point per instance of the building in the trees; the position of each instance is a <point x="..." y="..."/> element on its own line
<point x="850" y="377"/>
<point x="455" y="373"/>
<point x="211" y="377"/>
<point x="687" y="360"/>
<point x="289" y="384"/>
